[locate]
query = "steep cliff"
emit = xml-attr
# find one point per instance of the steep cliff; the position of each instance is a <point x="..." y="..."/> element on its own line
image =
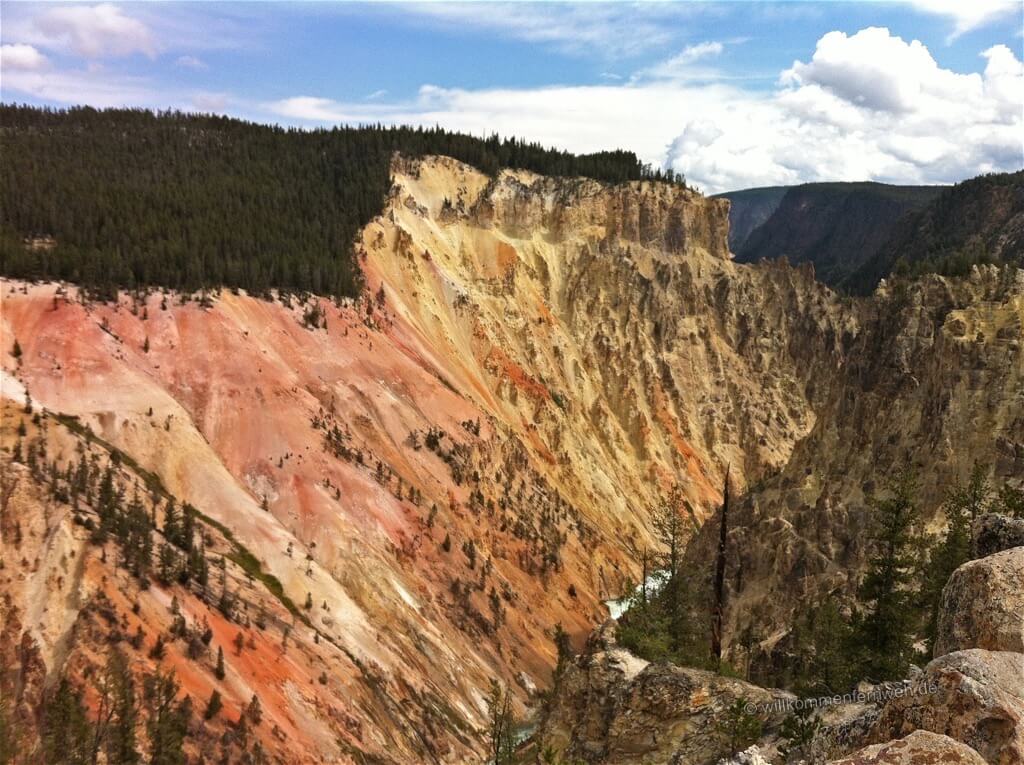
<point x="469" y="453"/>
<point x="464" y="457"/>
<point x="933" y="383"/>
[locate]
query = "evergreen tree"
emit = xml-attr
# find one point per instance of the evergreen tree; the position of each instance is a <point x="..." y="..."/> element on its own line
<point x="738" y="728"/>
<point x="167" y="721"/>
<point x="799" y="732"/>
<point x="121" y="744"/>
<point x="254" y="711"/>
<point x="219" y="671"/>
<point x="66" y="730"/>
<point x="963" y="503"/>
<point x="500" y="732"/>
<point x="884" y="633"/>
<point x="214" y="705"/>
<point x="172" y="529"/>
<point x="135" y="199"/>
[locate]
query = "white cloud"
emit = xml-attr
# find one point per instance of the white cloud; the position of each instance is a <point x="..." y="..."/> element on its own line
<point x="879" y="71"/>
<point x="191" y="62"/>
<point x="968" y="15"/>
<point x="211" y="102"/>
<point x="680" y="66"/>
<point x="21" y="57"/>
<point x="96" y="31"/>
<point x="866" y="106"/>
<point x="93" y="86"/>
<point x="611" y="30"/>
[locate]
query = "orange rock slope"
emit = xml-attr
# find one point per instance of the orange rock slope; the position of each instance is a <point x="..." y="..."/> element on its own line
<point x="445" y="468"/>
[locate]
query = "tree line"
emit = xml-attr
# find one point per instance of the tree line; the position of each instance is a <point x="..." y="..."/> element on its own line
<point x="129" y="198"/>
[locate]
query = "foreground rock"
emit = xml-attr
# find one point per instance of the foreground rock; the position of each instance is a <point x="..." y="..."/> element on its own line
<point x="916" y="749"/>
<point x="994" y="533"/>
<point x="983" y="605"/>
<point x="613" y="707"/>
<point x="974" y="696"/>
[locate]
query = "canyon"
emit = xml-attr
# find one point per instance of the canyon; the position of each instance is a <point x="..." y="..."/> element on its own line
<point x="470" y="453"/>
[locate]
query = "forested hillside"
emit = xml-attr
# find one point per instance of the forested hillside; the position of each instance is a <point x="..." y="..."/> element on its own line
<point x="836" y="226"/>
<point x="978" y="221"/>
<point x="127" y="198"/>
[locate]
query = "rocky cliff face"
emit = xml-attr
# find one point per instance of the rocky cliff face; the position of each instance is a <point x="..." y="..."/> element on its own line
<point x="967" y="705"/>
<point x="469" y="454"/>
<point x="933" y="382"/>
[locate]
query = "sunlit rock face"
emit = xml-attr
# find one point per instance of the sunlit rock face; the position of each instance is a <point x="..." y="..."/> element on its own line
<point x="468" y="455"/>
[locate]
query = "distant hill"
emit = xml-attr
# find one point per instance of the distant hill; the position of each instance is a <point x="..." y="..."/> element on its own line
<point x="836" y="226"/>
<point x="750" y="208"/>
<point x="977" y="221"/>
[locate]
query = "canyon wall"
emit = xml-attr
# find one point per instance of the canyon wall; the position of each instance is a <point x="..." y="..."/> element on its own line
<point x="469" y="455"/>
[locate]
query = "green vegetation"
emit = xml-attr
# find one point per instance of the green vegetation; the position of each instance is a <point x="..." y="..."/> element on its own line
<point x="967" y="224"/>
<point x="869" y="634"/>
<point x="128" y="198"/>
<point x="898" y="600"/>
<point x="673" y="623"/>
<point x="882" y="634"/>
<point x="501" y="743"/>
<point x="71" y="735"/>
<point x="737" y="728"/>
<point x="836" y="226"/>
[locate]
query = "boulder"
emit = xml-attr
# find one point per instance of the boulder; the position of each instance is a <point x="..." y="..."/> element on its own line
<point x="919" y="748"/>
<point x="983" y="605"/>
<point x="612" y="707"/>
<point x="994" y="533"/>
<point x="749" y="756"/>
<point x="974" y="696"/>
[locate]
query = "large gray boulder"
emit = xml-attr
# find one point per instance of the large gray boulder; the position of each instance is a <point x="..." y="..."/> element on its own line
<point x="974" y="696"/>
<point x="612" y="707"/>
<point x="918" y="748"/>
<point x="983" y="605"/>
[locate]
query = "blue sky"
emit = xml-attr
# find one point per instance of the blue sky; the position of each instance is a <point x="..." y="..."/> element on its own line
<point x="733" y="94"/>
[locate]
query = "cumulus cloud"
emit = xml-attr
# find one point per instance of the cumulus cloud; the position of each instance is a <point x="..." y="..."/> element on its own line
<point x="879" y="71"/>
<point x="21" y="57"/>
<point x="865" y="106"/>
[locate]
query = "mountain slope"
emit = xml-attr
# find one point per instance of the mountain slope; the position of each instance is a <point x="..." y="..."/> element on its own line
<point x="749" y="209"/>
<point x="835" y="226"/>
<point x="978" y="221"/>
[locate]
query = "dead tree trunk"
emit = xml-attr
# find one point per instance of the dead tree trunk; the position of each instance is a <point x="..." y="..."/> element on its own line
<point x="718" y="610"/>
